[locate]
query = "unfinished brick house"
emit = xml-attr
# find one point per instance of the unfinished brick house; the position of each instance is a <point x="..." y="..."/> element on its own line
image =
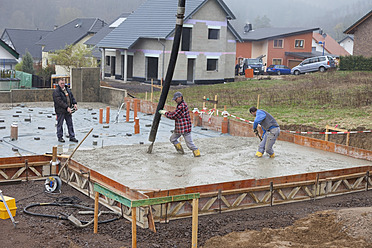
<point x="362" y="31"/>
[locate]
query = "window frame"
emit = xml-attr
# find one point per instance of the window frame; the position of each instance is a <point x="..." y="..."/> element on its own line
<point x="277" y="40"/>
<point x="298" y="43"/>
<point x="215" y="66"/>
<point x="217" y="35"/>
<point x="277" y="59"/>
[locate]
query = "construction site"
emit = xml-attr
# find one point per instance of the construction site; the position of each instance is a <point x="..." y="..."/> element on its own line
<point x="162" y="198"/>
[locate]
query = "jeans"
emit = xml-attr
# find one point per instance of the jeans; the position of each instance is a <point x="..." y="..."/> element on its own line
<point x="268" y="140"/>
<point x="188" y="139"/>
<point x="60" y="119"/>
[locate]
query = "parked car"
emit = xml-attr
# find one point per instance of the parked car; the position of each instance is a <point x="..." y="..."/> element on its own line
<point x="255" y="64"/>
<point x="320" y="63"/>
<point x="278" y="69"/>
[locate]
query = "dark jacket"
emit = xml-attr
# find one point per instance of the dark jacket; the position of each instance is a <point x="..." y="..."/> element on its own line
<point x="60" y="100"/>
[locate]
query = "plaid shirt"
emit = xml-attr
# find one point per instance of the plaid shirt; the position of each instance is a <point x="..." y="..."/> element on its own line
<point x="182" y="117"/>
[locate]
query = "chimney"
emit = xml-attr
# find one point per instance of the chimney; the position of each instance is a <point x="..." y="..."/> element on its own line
<point x="247" y="27"/>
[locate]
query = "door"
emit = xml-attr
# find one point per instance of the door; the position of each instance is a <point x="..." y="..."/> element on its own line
<point x="190" y="70"/>
<point x="152" y="68"/>
<point x="113" y="64"/>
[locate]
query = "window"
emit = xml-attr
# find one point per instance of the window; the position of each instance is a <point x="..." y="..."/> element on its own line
<point x="299" y="43"/>
<point x="212" y="64"/>
<point x="278" y="43"/>
<point x="277" y="61"/>
<point x="213" y="34"/>
<point x="186" y="39"/>
<point x="107" y="60"/>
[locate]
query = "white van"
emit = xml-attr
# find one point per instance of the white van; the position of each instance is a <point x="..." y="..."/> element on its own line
<point x="320" y="63"/>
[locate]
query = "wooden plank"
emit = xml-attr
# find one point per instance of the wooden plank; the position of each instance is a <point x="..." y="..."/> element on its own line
<point x="162" y="200"/>
<point x="134" y="228"/>
<point x="108" y="193"/>
<point x="195" y="208"/>
<point x="18" y="173"/>
<point x="150" y="218"/>
<point x="4" y="174"/>
<point x="239" y="200"/>
<point x="17" y="165"/>
<point x="96" y="197"/>
<point x="37" y="173"/>
<point x="209" y="203"/>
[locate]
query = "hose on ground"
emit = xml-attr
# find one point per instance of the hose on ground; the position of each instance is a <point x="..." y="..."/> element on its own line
<point x="71" y="218"/>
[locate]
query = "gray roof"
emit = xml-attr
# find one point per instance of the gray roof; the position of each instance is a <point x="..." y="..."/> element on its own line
<point x="304" y="55"/>
<point x="153" y="19"/>
<point x="268" y="33"/>
<point x="25" y="40"/>
<point x="71" y="33"/>
<point x="9" y="49"/>
<point x="104" y="31"/>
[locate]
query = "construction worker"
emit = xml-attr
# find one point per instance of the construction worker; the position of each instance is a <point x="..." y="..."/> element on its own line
<point x="270" y="129"/>
<point x="182" y="125"/>
<point x="64" y="105"/>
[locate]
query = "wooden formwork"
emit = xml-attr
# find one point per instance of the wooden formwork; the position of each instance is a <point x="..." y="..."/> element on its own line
<point x="214" y="198"/>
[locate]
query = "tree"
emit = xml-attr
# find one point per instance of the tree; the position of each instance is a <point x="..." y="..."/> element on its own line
<point x="28" y="63"/>
<point x="73" y="56"/>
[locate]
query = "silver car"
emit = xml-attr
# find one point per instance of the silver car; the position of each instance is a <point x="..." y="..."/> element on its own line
<point x="320" y="63"/>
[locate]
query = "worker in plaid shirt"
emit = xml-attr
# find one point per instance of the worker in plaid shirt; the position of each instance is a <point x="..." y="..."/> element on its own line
<point x="182" y="126"/>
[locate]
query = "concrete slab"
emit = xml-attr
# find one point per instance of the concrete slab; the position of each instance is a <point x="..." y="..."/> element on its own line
<point x="37" y="130"/>
<point x="223" y="159"/>
<point x="122" y="156"/>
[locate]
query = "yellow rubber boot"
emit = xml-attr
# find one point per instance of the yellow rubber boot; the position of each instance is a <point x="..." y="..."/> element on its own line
<point x="179" y="148"/>
<point x="258" y="154"/>
<point x="272" y="155"/>
<point x="196" y="153"/>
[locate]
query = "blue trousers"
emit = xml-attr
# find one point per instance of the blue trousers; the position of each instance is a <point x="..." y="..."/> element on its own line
<point x="268" y="140"/>
<point x="70" y="126"/>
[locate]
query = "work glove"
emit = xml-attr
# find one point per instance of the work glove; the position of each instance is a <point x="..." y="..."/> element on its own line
<point x="255" y="131"/>
<point x="162" y="111"/>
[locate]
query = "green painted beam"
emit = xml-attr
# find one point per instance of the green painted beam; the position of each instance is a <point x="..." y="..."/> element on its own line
<point x="166" y="199"/>
<point x="143" y="202"/>
<point x="112" y="195"/>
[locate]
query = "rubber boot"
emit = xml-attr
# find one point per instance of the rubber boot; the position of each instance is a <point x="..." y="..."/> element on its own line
<point x="258" y="154"/>
<point x="272" y="155"/>
<point x="179" y="148"/>
<point x="196" y="153"/>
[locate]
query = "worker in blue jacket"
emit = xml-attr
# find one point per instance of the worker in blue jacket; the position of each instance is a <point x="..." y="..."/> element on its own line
<point x="270" y="129"/>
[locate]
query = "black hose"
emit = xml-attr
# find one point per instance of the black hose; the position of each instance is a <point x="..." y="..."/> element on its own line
<point x="63" y="216"/>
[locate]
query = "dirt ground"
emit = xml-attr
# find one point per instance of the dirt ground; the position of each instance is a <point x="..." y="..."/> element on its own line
<point x="339" y="221"/>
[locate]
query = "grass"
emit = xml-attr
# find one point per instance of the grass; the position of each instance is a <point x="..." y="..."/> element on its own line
<point x="340" y="98"/>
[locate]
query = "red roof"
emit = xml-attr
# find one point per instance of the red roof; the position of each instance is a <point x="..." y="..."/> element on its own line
<point x="331" y="46"/>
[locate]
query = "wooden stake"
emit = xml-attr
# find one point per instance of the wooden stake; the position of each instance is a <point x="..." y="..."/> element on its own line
<point x="195" y="206"/>
<point x="152" y="90"/>
<point x="128" y="111"/>
<point x="53" y="170"/>
<point x="258" y="101"/>
<point x="215" y="105"/>
<point x="204" y="98"/>
<point x="107" y="115"/>
<point x="100" y="115"/>
<point x="96" y="197"/>
<point x="134" y="228"/>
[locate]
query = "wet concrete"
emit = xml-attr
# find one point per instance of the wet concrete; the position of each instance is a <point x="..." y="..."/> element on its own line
<point x="122" y="156"/>
<point x="223" y="159"/>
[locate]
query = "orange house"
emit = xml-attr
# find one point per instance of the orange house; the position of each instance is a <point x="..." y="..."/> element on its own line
<point x="283" y="46"/>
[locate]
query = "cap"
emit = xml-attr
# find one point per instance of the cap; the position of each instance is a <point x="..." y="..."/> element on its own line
<point x="176" y="95"/>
